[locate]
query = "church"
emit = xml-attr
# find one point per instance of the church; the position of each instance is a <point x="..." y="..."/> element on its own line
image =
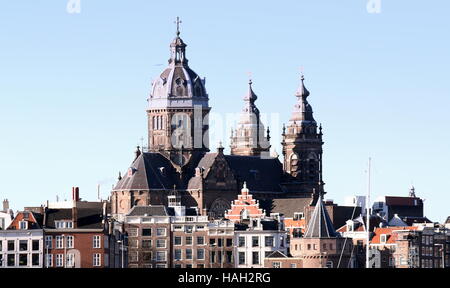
<point x="178" y="159"/>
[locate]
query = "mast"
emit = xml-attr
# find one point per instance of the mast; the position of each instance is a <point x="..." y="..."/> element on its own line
<point x="368" y="217"/>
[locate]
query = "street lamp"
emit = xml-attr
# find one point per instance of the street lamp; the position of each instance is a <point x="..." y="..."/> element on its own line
<point x="122" y="249"/>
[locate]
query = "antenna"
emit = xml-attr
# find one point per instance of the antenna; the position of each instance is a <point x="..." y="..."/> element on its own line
<point x="98" y="192"/>
<point x="368" y="216"/>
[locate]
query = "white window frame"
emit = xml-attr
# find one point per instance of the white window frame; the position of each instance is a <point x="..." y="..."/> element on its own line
<point x="204" y="252"/>
<point x="161" y="229"/>
<point x="59" y="261"/>
<point x="159" y="253"/>
<point x="23" y="225"/>
<point x="96" y="242"/>
<point x="59" y="244"/>
<point x="70" y="260"/>
<point x="276" y="265"/>
<point x="96" y="259"/>
<point x="69" y="241"/>
<point x="159" y="241"/>
<point x="49" y="242"/>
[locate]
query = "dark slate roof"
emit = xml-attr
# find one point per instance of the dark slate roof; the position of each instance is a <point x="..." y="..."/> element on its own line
<point x="285" y="206"/>
<point x="88" y="218"/>
<point x="191" y="211"/>
<point x="411" y="220"/>
<point x="148" y="171"/>
<point x="448" y="220"/>
<point x="320" y="225"/>
<point x="261" y="174"/>
<point x="269" y="225"/>
<point x="277" y="254"/>
<point x="153" y="210"/>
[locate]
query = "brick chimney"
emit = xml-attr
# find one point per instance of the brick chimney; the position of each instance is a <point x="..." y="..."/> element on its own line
<point x="5" y="205"/>
<point x="75" y="198"/>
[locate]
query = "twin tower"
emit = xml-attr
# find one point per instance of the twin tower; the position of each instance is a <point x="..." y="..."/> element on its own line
<point x="178" y="123"/>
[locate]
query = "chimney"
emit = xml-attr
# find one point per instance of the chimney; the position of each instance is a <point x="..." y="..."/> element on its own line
<point x="75" y="198"/>
<point x="5" y="205"/>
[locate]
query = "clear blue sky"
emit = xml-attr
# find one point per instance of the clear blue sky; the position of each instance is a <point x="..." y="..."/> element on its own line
<point x="73" y="87"/>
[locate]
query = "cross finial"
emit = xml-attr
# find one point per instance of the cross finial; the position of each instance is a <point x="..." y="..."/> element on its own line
<point x="250" y="76"/>
<point x="178" y="22"/>
<point x="302" y="70"/>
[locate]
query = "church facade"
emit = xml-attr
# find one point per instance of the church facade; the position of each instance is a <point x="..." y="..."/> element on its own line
<point x="178" y="156"/>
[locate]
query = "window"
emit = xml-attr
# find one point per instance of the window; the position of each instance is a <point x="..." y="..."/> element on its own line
<point x="219" y="242"/>
<point x="23" y="245"/>
<point x="70" y="260"/>
<point x="160" y="266"/>
<point x="69" y="241"/>
<point x="161" y="232"/>
<point x="212" y="241"/>
<point x="276" y="265"/>
<point x="147" y="232"/>
<point x="200" y="240"/>
<point x="309" y="246"/>
<point x="11" y="245"/>
<point x="188" y="254"/>
<point x="298" y="216"/>
<point x="59" y="244"/>
<point x="97" y="260"/>
<point x="63" y="224"/>
<point x="255" y="258"/>
<point x="132" y="232"/>
<point x="200" y="254"/>
<point x="268" y="241"/>
<point x="146" y="244"/>
<point x="147" y="256"/>
<point x="34" y="245"/>
<point x="229" y="256"/>
<point x="188" y="240"/>
<point x="383" y="238"/>
<point x="161" y="243"/>
<point x="133" y="255"/>
<point x="59" y="260"/>
<point x="160" y="256"/>
<point x="329" y="264"/>
<point x="229" y="242"/>
<point x="23" y="259"/>
<point x="188" y="228"/>
<point x="49" y="260"/>
<point x="177" y="240"/>
<point x="177" y="227"/>
<point x="255" y="241"/>
<point x="241" y="241"/>
<point x="177" y="254"/>
<point x="96" y="240"/>
<point x="11" y="259"/>
<point x="293" y="265"/>
<point x="178" y="266"/>
<point x="241" y="258"/>
<point x="48" y="242"/>
<point x="23" y="225"/>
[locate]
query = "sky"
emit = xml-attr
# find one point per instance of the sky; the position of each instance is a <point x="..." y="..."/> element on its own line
<point x="73" y="87"/>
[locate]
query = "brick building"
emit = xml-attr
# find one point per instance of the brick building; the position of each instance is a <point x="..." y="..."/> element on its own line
<point x="21" y="244"/>
<point x="148" y="231"/>
<point x="321" y="246"/>
<point x="79" y="235"/>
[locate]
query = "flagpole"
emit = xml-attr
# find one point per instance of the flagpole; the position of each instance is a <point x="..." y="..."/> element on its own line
<point x="368" y="217"/>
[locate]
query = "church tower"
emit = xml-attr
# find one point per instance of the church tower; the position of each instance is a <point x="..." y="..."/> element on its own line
<point x="248" y="139"/>
<point x="178" y="109"/>
<point x="302" y="145"/>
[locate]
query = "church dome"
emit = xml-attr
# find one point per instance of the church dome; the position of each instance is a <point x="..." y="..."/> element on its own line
<point x="178" y="85"/>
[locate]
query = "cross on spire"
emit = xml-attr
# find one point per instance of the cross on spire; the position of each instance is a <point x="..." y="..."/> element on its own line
<point x="250" y="74"/>
<point x="178" y="22"/>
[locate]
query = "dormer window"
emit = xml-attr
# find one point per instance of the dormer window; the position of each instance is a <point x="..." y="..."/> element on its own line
<point x="298" y="216"/>
<point x="383" y="238"/>
<point x="23" y="225"/>
<point x="63" y="224"/>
